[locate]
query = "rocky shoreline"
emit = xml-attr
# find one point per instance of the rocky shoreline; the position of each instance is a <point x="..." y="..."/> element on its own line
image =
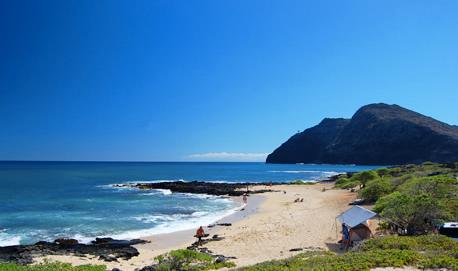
<point x="107" y="249"/>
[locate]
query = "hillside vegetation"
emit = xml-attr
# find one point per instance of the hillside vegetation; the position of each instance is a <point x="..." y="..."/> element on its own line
<point x="416" y="198"/>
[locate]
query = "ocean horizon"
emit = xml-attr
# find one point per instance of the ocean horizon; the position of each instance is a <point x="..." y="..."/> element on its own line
<point x="46" y="200"/>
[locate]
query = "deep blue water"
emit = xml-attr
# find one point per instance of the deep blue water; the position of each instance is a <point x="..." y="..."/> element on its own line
<point x="48" y="200"/>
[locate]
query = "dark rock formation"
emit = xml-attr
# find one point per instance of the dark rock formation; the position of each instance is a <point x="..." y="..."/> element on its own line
<point x="107" y="249"/>
<point x="310" y="145"/>
<point x="378" y="134"/>
<point x="217" y="189"/>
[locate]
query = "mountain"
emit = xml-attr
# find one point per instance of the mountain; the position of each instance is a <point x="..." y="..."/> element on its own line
<point x="377" y="134"/>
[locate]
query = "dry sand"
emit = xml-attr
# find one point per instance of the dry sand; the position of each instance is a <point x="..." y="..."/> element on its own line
<point x="281" y="224"/>
<point x="268" y="228"/>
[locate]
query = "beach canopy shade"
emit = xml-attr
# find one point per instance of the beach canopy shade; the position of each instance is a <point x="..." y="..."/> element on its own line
<point x="355" y="216"/>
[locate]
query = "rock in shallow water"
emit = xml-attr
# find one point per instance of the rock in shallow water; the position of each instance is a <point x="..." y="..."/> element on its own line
<point x="217" y="189"/>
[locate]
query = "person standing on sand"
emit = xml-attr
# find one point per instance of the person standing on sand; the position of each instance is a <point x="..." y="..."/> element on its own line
<point x="345" y="236"/>
<point x="245" y="199"/>
<point x="200" y="233"/>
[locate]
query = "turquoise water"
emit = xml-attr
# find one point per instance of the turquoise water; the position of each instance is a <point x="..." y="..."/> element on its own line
<point x="49" y="200"/>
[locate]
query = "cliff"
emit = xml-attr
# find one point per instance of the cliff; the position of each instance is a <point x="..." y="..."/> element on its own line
<point x="377" y="134"/>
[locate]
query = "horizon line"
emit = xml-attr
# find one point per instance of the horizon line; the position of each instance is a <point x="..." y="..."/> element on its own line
<point x="133" y="161"/>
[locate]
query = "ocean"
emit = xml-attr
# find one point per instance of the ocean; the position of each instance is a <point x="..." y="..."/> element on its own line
<point x="50" y="200"/>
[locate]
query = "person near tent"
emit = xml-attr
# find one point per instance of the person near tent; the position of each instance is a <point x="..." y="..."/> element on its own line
<point x="345" y="236"/>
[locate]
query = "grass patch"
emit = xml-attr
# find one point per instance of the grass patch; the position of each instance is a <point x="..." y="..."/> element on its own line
<point x="429" y="251"/>
<point x="188" y="260"/>
<point x="302" y="182"/>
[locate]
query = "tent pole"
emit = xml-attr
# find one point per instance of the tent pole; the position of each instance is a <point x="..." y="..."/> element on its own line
<point x="335" y="224"/>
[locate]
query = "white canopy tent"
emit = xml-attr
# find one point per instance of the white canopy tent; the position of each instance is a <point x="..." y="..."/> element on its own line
<point x="355" y="220"/>
<point x="355" y="215"/>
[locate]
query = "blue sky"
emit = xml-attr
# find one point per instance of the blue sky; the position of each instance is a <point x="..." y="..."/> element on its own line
<point x="211" y="80"/>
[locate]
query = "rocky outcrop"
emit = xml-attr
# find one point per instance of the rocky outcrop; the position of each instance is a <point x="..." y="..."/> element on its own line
<point x="309" y="145"/>
<point x="216" y="189"/>
<point x="106" y="249"/>
<point x="378" y="134"/>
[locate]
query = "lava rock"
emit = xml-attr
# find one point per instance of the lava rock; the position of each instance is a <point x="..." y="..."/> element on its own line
<point x="108" y="258"/>
<point x="217" y="189"/>
<point x="66" y="242"/>
<point x="107" y="249"/>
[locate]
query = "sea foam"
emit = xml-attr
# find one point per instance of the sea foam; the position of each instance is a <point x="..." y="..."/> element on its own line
<point x="8" y="240"/>
<point x="176" y="223"/>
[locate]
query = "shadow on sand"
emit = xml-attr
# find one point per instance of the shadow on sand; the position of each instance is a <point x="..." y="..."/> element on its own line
<point x="335" y="247"/>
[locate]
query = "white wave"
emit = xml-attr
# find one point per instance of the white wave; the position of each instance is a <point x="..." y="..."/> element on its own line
<point x="164" y="191"/>
<point x="293" y="171"/>
<point x="83" y="239"/>
<point x="159" y="181"/>
<point x="199" y="214"/>
<point x="332" y="172"/>
<point x="126" y="185"/>
<point x="177" y="223"/>
<point x="306" y="171"/>
<point x="159" y="218"/>
<point x="222" y="181"/>
<point x="198" y="196"/>
<point x="153" y="192"/>
<point x="163" y="224"/>
<point x="213" y="198"/>
<point x="117" y="187"/>
<point x="9" y="240"/>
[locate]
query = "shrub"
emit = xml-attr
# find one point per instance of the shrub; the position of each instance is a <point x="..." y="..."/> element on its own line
<point x="440" y="187"/>
<point x="415" y="197"/>
<point x="376" y="189"/>
<point x="401" y="179"/>
<point x="383" y="172"/>
<point x="437" y="243"/>
<point x="188" y="260"/>
<point x="415" y="213"/>
<point x="366" y="176"/>
<point x="439" y="262"/>
<point x="302" y="182"/>
<point x="346" y="183"/>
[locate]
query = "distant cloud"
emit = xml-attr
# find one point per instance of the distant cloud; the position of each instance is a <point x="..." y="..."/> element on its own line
<point x="229" y="156"/>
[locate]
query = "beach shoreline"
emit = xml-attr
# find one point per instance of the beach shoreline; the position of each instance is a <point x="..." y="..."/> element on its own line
<point x="161" y="243"/>
<point x="183" y="238"/>
<point x="270" y="226"/>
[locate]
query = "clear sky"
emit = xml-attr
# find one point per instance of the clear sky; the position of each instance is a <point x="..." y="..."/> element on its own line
<point x="211" y="80"/>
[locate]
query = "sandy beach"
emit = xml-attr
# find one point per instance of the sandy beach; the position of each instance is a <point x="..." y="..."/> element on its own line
<point x="269" y="226"/>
